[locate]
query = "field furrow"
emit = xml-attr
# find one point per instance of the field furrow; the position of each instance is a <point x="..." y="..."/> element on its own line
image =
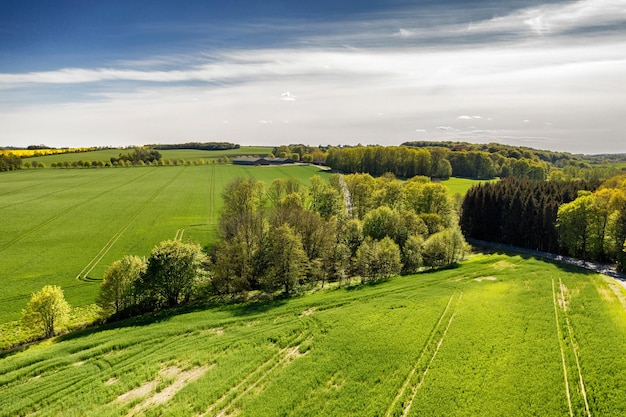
<point x="562" y="350"/>
<point x="83" y="274"/>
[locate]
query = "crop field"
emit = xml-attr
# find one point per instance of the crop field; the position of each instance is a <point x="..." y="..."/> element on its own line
<point x="186" y="154"/>
<point x="499" y="335"/>
<point x="65" y="227"/>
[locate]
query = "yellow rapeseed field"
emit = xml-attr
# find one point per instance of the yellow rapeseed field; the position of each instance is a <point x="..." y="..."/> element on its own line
<point x="26" y="153"/>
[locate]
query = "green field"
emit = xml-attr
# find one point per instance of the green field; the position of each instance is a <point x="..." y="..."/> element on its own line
<point x="497" y="336"/>
<point x="186" y="154"/>
<point x="461" y="185"/>
<point x="65" y="227"/>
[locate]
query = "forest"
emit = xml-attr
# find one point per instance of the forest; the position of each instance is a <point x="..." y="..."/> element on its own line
<point x="441" y="160"/>
<point x="583" y="219"/>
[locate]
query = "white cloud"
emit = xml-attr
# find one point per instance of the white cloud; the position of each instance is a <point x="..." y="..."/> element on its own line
<point x="557" y="18"/>
<point x="345" y="88"/>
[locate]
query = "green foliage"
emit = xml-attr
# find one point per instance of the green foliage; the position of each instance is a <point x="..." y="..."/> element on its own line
<point x="518" y="212"/>
<point x="444" y="248"/>
<point x="377" y="260"/>
<point x="286" y="260"/>
<point x="46" y="310"/>
<point x="204" y="146"/>
<point x="593" y="226"/>
<point x="412" y="254"/>
<point x="118" y="289"/>
<point x="378" y="160"/>
<point x="172" y="271"/>
<point x="9" y="162"/>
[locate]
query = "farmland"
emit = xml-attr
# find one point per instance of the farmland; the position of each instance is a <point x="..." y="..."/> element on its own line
<point x="65" y="226"/>
<point x="499" y="335"/>
<point x="181" y="154"/>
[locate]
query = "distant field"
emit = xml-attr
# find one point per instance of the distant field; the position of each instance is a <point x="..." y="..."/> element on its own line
<point x="66" y="226"/>
<point x="187" y="154"/>
<point x="497" y="336"/>
<point x="461" y="185"/>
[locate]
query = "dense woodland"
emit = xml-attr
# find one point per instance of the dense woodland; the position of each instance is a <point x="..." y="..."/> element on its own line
<point x="584" y="219"/>
<point x="518" y="212"/>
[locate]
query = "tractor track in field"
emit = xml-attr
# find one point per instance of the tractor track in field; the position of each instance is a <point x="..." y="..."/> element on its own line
<point x="560" y="302"/>
<point x="64" y="212"/>
<point x="417" y="375"/>
<point x="50" y="193"/>
<point x="211" y="213"/>
<point x="83" y="274"/>
<point x="221" y="406"/>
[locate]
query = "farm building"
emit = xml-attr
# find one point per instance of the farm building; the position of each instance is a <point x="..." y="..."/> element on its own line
<point x="262" y="161"/>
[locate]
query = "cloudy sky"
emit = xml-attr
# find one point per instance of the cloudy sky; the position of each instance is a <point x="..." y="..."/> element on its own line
<point x="549" y="75"/>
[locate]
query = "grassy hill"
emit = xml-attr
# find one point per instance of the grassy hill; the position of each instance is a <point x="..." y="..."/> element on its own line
<point x="498" y="335"/>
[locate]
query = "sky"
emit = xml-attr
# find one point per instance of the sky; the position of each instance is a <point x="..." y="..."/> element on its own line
<point x="547" y="75"/>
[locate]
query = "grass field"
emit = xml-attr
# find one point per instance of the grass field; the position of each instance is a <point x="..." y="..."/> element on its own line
<point x="497" y="336"/>
<point x="461" y="185"/>
<point x="65" y="227"/>
<point x="186" y="154"/>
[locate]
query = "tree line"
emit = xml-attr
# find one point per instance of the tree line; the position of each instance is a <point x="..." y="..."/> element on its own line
<point x="593" y="226"/>
<point x="204" y="146"/>
<point x="401" y="161"/>
<point x="10" y="162"/>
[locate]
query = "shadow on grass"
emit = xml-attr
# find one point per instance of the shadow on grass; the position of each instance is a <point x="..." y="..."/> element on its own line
<point x="564" y="263"/>
<point x="234" y="306"/>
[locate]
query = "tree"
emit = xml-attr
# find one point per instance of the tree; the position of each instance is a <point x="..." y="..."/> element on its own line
<point x="325" y="199"/>
<point x="412" y="254"/>
<point x="286" y="260"/>
<point x="378" y="260"/>
<point x="118" y="291"/>
<point x="172" y="271"/>
<point x="46" y="310"/>
<point x="575" y="225"/>
<point x="444" y="248"/>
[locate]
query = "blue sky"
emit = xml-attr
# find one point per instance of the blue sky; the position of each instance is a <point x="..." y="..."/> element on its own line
<point x="549" y="75"/>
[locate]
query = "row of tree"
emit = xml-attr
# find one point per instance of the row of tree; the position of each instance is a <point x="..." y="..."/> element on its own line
<point x="519" y="212"/>
<point x="170" y="276"/>
<point x="434" y="162"/>
<point x="203" y="146"/>
<point x="122" y="163"/>
<point x="399" y="160"/>
<point x="138" y="155"/>
<point x="9" y="162"/>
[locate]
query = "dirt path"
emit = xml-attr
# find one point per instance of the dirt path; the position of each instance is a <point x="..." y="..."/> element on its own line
<point x="347" y="198"/>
